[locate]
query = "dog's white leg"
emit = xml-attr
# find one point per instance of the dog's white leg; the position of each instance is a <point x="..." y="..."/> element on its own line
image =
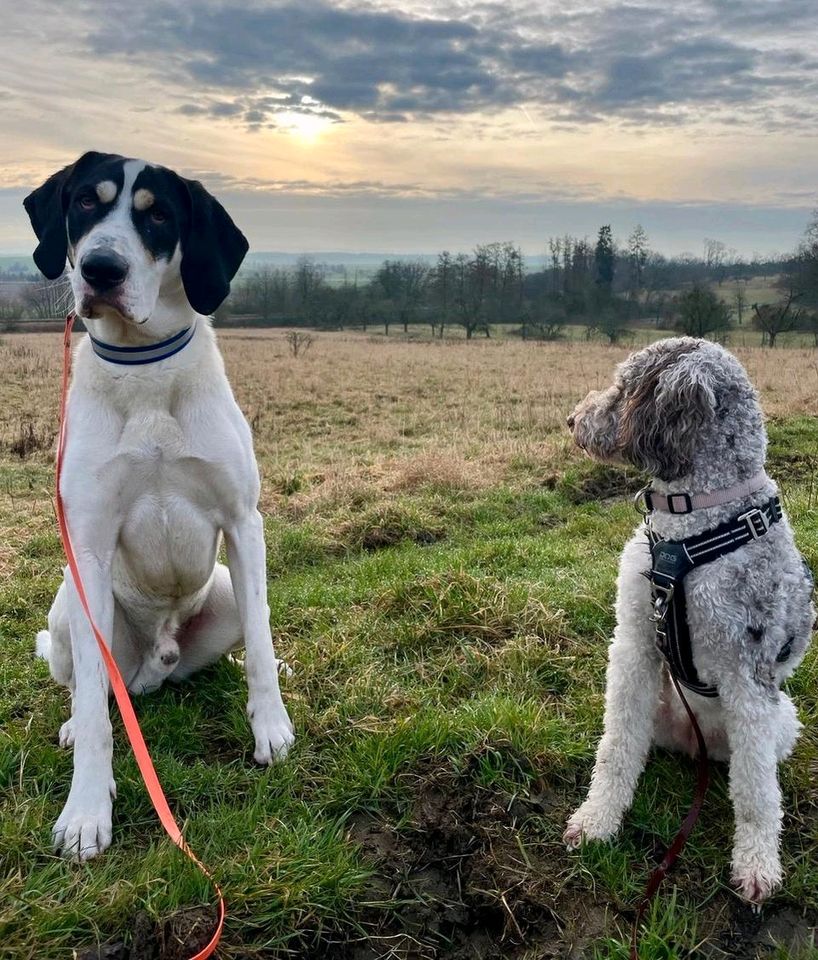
<point x="752" y="722"/>
<point x="83" y="829"/>
<point x="631" y="698"/>
<point x="265" y="708"/>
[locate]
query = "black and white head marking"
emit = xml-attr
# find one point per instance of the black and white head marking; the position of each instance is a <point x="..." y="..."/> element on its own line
<point x="145" y="246"/>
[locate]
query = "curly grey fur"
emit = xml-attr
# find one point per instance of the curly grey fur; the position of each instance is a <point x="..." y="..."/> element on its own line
<point x="684" y="410"/>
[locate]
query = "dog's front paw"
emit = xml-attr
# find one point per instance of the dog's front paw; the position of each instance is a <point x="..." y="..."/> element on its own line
<point x="83" y="829"/>
<point x="273" y="732"/>
<point x="756" y="875"/>
<point x="590" y="822"/>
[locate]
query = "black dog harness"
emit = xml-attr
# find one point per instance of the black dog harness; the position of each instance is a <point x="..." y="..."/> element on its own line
<point x="673" y="560"/>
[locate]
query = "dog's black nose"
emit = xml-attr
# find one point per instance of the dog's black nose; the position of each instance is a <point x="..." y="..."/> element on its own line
<point x="104" y="269"/>
<point x="571" y="420"/>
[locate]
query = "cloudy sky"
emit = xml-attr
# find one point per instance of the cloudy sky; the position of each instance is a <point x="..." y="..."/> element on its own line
<point x="412" y="126"/>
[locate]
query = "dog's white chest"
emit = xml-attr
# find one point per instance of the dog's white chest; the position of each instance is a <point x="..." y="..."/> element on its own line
<point x="170" y="507"/>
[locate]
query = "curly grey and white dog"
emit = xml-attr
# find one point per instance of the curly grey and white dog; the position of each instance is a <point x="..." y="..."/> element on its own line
<point x="685" y="411"/>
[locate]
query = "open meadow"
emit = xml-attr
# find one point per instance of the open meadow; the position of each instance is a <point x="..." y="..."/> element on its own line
<point x="441" y="565"/>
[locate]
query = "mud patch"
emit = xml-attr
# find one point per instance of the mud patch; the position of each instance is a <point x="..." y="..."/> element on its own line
<point x="600" y="482"/>
<point x="751" y="935"/>
<point x="462" y="884"/>
<point x="178" y="937"/>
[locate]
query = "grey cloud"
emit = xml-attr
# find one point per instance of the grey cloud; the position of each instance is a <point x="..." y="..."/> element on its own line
<point x="636" y="62"/>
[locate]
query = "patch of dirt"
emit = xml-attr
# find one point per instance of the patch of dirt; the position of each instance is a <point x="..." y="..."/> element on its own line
<point x="467" y="872"/>
<point x="178" y="937"/>
<point x="602" y="483"/>
<point x="455" y="882"/>
<point x="747" y="934"/>
<point x="382" y="536"/>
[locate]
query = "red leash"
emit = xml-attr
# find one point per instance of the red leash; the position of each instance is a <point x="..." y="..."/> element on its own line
<point x="673" y="851"/>
<point x="137" y="741"/>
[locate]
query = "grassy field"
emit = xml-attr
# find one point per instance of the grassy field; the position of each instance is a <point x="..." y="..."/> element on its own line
<point x="442" y="565"/>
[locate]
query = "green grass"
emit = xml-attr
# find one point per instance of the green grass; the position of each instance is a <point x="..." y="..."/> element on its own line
<point x="449" y="651"/>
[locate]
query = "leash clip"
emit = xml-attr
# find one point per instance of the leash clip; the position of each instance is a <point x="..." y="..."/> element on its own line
<point x="661" y="603"/>
<point x="640" y="502"/>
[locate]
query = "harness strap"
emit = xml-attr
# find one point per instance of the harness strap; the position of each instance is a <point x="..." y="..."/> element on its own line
<point x="673" y="560"/>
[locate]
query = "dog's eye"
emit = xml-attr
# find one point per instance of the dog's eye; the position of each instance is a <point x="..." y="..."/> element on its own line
<point x="158" y="216"/>
<point x="87" y="202"/>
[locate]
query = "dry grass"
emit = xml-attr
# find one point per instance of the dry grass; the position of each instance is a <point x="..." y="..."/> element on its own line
<point x="361" y="417"/>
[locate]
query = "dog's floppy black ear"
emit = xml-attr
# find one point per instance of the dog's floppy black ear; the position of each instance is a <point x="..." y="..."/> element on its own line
<point x="212" y="250"/>
<point x="45" y="207"/>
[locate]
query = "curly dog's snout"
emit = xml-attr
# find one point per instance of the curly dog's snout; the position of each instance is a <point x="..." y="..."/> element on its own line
<point x="570" y="421"/>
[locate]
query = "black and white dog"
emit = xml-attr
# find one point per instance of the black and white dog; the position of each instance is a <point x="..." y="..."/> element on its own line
<point x="159" y="464"/>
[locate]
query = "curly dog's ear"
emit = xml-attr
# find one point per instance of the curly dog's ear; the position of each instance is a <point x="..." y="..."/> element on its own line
<point x="661" y="419"/>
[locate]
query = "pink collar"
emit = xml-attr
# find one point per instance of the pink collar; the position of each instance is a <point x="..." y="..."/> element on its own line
<point x="685" y="503"/>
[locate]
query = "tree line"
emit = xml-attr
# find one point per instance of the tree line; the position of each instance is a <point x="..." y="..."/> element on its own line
<point x="605" y="286"/>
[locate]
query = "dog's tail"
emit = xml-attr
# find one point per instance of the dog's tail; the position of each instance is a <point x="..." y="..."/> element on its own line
<point x="42" y="645"/>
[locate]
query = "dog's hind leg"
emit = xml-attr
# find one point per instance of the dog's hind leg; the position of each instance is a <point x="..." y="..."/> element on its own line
<point x="213" y="632"/>
<point x="631" y="698"/>
<point x="54" y="644"/>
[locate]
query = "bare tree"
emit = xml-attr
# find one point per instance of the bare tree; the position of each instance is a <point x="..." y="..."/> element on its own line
<point x="309" y="284"/>
<point x="47" y="299"/>
<point x="775" y="318"/>
<point x="403" y="284"/>
<point x="740" y="300"/>
<point x="715" y="256"/>
<point x="298" y="342"/>
<point x="442" y="288"/>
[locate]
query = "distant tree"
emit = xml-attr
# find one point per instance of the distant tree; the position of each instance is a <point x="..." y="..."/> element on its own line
<point x="740" y="300"/>
<point x="47" y="299"/>
<point x="472" y="278"/>
<point x="308" y="290"/>
<point x="609" y="320"/>
<point x="555" y="250"/>
<point x="638" y="251"/>
<point x="266" y="291"/>
<point x="605" y="259"/>
<point x="701" y="313"/>
<point x="715" y="256"/>
<point x="442" y="290"/>
<point x="775" y="318"/>
<point x="403" y="284"/>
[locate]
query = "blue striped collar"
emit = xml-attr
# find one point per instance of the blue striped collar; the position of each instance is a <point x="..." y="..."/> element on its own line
<point x="151" y="353"/>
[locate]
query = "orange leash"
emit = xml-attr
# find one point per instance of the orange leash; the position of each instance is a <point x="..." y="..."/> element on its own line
<point x="137" y="741"/>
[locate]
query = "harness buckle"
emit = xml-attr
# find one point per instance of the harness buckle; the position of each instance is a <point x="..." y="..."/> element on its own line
<point x="673" y="499"/>
<point x="750" y="519"/>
